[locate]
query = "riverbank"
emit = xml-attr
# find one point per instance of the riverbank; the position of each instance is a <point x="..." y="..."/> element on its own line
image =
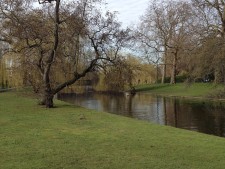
<point x="74" y="137"/>
<point x="197" y="90"/>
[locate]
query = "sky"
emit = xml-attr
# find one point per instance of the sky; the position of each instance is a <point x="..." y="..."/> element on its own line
<point x="129" y="11"/>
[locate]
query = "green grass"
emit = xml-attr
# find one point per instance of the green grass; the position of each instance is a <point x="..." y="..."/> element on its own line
<point x="32" y="137"/>
<point x="181" y="89"/>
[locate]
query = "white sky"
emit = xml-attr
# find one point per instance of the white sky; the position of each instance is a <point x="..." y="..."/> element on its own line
<point x="129" y="10"/>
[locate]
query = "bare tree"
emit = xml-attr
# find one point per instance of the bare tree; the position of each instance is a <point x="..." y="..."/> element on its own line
<point x="212" y="13"/>
<point x="167" y="29"/>
<point x="70" y="39"/>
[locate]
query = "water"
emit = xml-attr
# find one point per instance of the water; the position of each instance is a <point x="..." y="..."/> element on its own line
<point x="196" y="115"/>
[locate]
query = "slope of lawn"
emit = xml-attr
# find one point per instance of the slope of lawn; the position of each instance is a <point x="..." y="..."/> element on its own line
<point x="71" y="137"/>
<point x="181" y="89"/>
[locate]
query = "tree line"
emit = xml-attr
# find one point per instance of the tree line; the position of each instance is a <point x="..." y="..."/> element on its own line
<point x="185" y="37"/>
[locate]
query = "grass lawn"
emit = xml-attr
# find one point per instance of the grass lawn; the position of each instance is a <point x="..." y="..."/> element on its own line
<point x="32" y="137"/>
<point x="181" y="89"/>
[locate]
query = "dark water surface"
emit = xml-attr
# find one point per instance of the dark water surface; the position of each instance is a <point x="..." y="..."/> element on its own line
<point x="196" y="115"/>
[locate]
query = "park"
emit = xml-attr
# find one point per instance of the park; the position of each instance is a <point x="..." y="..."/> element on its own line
<point x="80" y="89"/>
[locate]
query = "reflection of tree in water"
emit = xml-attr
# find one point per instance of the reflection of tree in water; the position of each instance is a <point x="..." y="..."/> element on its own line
<point x="202" y="117"/>
<point x="210" y="118"/>
<point x="149" y="108"/>
<point x="128" y="104"/>
<point x="170" y="112"/>
<point x="145" y="98"/>
<point x="116" y="103"/>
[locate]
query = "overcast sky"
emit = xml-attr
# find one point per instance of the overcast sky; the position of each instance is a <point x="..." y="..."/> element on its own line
<point x="129" y="10"/>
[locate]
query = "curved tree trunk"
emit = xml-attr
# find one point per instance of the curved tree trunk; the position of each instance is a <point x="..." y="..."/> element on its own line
<point x="48" y="92"/>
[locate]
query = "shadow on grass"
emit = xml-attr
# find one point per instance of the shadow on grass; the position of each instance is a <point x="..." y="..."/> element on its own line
<point x="151" y="87"/>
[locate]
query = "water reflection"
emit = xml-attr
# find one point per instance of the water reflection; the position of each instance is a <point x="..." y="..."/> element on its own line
<point x="192" y="115"/>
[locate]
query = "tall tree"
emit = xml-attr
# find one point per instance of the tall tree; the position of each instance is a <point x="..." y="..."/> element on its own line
<point x="166" y="28"/>
<point x="212" y="13"/>
<point x="61" y="40"/>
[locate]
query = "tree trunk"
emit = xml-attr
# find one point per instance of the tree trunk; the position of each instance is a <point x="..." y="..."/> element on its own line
<point x="49" y="100"/>
<point x="164" y="66"/>
<point x="157" y="73"/>
<point x="218" y="76"/>
<point x="173" y="73"/>
<point x="163" y="74"/>
<point x="48" y="92"/>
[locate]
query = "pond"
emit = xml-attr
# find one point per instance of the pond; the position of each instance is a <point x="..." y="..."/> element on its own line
<point x="202" y="116"/>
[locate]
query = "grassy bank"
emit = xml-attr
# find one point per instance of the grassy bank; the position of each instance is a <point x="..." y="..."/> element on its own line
<point x="182" y="89"/>
<point x="71" y="137"/>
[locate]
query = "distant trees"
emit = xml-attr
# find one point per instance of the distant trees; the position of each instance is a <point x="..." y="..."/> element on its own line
<point x="167" y="29"/>
<point x="60" y="43"/>
<point x="211" y="49"/>
<point x="185" y="37"/>
<point x="125" y="74"/>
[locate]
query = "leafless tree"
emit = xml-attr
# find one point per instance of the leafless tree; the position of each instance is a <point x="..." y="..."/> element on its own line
<point x="68" y="40"/>
<point x="212" y="13"/>
<point x="167" y="29"/>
